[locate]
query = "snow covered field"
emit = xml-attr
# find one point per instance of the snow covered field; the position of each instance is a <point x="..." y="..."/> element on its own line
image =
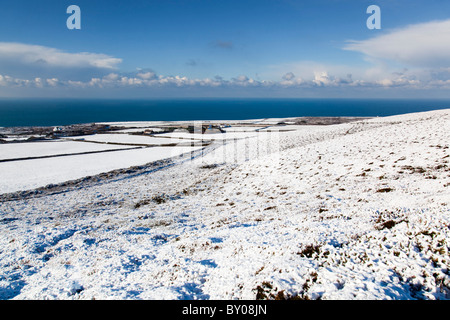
<point x="29" y="174"/>
<point x="206" y="136"/>
<point x="129" y="139"/>
<point x="353" y="211"/>
<point x="48" y="148"/>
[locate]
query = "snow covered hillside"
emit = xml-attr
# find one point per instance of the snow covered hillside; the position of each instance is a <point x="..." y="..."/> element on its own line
<point x="352" y="211"/>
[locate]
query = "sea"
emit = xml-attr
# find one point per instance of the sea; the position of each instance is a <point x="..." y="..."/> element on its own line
<point x="54" y="112"/>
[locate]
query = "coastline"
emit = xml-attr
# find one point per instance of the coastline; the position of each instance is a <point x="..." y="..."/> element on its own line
<point x="59" y="112"/>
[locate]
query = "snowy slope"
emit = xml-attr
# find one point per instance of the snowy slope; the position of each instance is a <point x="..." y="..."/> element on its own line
<point x="352" y="211"/>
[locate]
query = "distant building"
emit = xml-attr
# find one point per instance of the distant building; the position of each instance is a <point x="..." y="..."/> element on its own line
<point x="58" y="132"/>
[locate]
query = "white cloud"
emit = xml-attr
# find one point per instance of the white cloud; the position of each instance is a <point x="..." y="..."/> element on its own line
<point x="8" y="81"/>
<point x="111" y="77"/>
<point x="322" y="79"/>
<point x="53" y="82"/>
<point x="319" y="81"/>
<point x="38" y="83"/>
<point x="146" y="75"/>
<point x="416" y="57"/>
<point x="289" y="79"/>
<point x="421" y="45"/>
<point x="46" y="56"/>
<point x="300" y="71"/>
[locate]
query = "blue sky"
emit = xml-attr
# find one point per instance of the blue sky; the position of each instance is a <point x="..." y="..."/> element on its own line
<point x="225" y="48"/>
